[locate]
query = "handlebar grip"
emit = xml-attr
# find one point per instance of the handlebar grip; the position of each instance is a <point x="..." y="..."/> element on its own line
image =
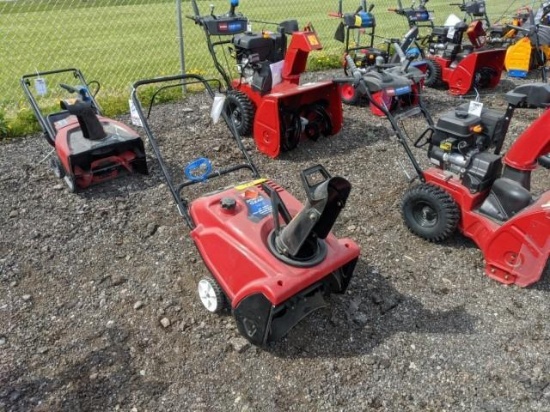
<point x="351" y="64"/>
<point x="195" y="8"/>
<point x="70" y="89"/>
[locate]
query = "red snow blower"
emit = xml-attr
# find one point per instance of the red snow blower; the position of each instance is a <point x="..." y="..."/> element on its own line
<point x="463" y="66"/>
<point x="267" y="98"/>
<point x="272" y="259"/>
<point x="484" y="194"/>
<point x="89" y="148"/>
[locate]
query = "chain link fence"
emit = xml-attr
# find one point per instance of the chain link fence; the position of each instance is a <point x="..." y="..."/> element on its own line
<point x="119" y="41"/>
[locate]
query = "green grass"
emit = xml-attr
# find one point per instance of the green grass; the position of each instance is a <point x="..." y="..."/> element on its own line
<point x="118" y="42"/>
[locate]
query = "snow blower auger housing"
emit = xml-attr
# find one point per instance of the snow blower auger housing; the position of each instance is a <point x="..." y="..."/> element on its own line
<point x="272" y="259"/>
<point x="265" y="96"/>
<point x="89" y="148"/>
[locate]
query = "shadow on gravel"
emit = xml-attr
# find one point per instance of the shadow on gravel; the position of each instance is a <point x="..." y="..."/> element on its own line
<point x="544" y="282"/>
<point x="371" y="312"/>
<point x="100" y="381"/>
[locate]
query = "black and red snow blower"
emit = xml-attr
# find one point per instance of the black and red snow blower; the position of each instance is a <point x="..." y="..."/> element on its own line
<point x="266" y="97"/>
<point x="398" y="52"/>
<point x="396" y="86"/>
<point x="272" y="259"/>
<point x="461" y="65"/>
<point x="472" y="187"/>
<point x="89" y="148"/>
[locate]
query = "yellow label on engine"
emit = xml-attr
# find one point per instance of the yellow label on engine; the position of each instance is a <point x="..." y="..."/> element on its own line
<point x="446" y="146"/>
<point x="246" y="185"/>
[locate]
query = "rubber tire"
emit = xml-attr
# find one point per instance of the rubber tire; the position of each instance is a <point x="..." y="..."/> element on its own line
<point x="240" y="110"/>
<point x="349" y="98"/>
<point x="429" y="212"/>
<point x="216" y="298"/>
<point x="433" y="73"/>
<point x="56" y="167"/>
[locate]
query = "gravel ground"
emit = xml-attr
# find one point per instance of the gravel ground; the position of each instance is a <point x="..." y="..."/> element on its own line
<point x="98" y="310"/>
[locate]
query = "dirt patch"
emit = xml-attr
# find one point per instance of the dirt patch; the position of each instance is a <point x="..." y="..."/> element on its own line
<point x="98" y="309"/>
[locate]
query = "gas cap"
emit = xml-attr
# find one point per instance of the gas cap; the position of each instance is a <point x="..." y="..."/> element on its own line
<point x="228" y="203"/>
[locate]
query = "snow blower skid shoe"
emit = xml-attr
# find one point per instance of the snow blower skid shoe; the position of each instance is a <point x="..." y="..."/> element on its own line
<point x="272" y="259"/>
<point x="89" y="148"/>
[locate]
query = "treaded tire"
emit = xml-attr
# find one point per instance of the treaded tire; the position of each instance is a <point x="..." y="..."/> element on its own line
<point x="240" y="110"/>
<point x="211" y="295"/>
<point x="433" y="73"/>
<point x="429" y="212"/>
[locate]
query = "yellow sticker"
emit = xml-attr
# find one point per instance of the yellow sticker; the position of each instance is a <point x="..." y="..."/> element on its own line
<point x="246" y="185"/>
<point x="312" y="38"/>
<point x="447" y="146"/>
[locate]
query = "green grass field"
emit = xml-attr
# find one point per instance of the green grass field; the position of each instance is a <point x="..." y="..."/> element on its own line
<point x="118" y="42"/>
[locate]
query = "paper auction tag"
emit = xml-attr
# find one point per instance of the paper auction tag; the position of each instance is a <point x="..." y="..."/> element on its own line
<point x="475" y="108"/>
<point x="40" y="86"/>
<point x="134" y="116"/>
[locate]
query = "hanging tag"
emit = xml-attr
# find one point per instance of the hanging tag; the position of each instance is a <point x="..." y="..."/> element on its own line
<point x="40" y="86"/>
<point x="217" y="107"/>
<point x="134" y="116"/>
<point x="451" y="33"/>
<point x="475" y="108"/>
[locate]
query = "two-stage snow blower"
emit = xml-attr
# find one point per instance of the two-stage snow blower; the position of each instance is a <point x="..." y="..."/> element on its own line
<point x="266" y="97"/>
<point x="459" y="65"/>
<point x="472" y="187"/>
<point x="395" y="86"/>
<point x="89" y="148"/>
<point x="272" y="260"/>
<point x="361" y="24"/>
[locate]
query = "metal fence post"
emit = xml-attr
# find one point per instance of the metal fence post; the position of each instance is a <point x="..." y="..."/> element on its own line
<point x="180" y="39"/>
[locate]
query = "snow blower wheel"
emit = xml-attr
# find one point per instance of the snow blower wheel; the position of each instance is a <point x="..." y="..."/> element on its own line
<point x="70" y="182"/>
<point x="211" y="295"/>
<point x="430" y="212"/>
<point x="56" y="167"/>
<point x="349" y="94"/>
<point x="241" y="111"/>
<point x="433" y="73"/>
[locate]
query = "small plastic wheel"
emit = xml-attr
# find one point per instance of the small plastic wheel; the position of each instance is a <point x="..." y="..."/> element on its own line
<point x="55" y="165"/>
<point x="240" y="110"/>
<point x="70" y="182"/>
<point x="211" y="295"/>
<point x="349" y="94"/>
<point x="433" y="73"/>
<point x="430" y="212"/>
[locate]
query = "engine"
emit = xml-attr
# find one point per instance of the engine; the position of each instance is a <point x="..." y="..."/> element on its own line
<point x="255" y="52"/>
<point x="461" y="144"/>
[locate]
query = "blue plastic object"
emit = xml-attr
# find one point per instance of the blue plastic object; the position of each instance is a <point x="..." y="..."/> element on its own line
<point x="193" y="169"/>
